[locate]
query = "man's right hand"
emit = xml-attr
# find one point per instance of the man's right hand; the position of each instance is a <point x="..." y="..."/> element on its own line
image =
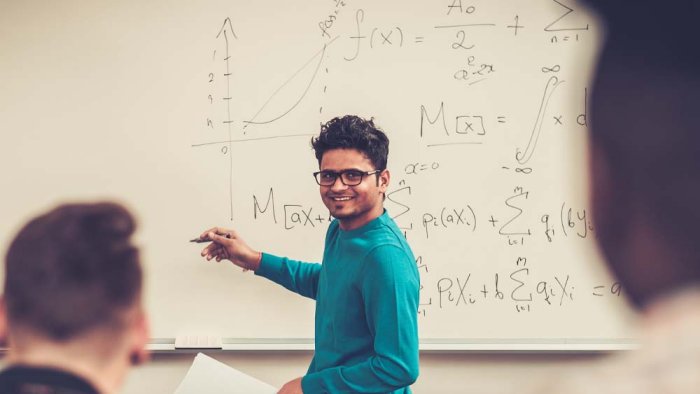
<point x="227" y="245"/>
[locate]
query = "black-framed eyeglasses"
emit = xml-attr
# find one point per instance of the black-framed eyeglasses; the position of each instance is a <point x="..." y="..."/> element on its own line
<point x="348" y="177"/>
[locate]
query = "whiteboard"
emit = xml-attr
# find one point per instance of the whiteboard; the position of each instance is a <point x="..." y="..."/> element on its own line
<point x="197" y="114"/>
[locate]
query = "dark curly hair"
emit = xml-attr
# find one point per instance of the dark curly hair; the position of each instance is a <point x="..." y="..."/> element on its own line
<point x="73" y="269"/>
<point x="353" y="132"/>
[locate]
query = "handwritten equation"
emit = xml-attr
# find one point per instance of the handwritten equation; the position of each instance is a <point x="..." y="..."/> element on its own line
<point x="522" y="288"/>
<point x="508" y="223"/>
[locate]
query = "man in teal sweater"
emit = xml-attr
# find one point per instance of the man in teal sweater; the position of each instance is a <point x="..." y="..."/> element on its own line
<point x="366" y="289"/>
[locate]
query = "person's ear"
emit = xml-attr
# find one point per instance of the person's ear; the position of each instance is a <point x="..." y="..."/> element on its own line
<point x="384" y="178"/>
<point x="4" y="332"/>
<point x="140" y="334"/>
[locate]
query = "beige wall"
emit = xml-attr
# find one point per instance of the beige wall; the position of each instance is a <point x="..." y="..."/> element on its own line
<point x="486" y="373"/>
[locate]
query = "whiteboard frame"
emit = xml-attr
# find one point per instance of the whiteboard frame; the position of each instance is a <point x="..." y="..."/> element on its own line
<point x="476" y="345"/>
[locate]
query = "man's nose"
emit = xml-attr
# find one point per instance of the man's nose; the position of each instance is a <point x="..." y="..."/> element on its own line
<point x="338" y="184"/>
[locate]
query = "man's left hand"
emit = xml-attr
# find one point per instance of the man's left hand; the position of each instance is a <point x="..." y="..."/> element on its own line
<point x="292" y="387"/>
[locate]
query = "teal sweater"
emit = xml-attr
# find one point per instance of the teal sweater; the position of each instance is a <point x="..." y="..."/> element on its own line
<point x="366" y="294"/>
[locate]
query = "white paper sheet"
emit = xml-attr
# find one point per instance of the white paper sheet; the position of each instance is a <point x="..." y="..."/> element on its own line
<point x="209" y="376"/>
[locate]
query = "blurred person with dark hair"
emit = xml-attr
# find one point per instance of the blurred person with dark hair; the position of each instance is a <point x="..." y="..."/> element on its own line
<point x="71" y="309"/>
<point x="366" y="288"/>
<point x="645" y="172"/>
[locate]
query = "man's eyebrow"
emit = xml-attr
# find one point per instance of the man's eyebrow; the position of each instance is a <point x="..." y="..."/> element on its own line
<point x="345" y="169"/>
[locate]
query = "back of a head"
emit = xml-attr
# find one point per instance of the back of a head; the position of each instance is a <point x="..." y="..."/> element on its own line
<point x="645" y="125"/>
<point x="73" y="270"/>
<point x="353" y="132"/>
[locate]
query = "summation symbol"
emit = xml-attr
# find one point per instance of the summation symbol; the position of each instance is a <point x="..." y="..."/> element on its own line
<point x="515" y="237"/>
<point x="404" y="209"/>
<point x="569" y="10"/>
<point x="423" y="304"/>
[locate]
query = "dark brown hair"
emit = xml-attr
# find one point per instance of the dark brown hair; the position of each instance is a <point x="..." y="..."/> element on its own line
<point x="353" y="132"/>
<point x="73" y="269"/>
<point x="644" y="126"/>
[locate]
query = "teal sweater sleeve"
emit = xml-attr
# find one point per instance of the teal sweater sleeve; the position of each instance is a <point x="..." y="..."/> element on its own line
<point x="297" y="276"/>
<point x="390" y="291"/>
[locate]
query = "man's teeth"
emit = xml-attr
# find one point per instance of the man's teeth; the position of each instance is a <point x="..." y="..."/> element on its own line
<point x="341" y="198"/>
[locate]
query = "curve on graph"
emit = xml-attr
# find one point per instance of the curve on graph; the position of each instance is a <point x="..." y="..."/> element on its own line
<point x="320" y="55"/>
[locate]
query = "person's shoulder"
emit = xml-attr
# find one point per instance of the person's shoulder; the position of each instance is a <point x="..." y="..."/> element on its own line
<point x="43" y="379"/>
<point x="388" y="265"/>
<point x="389" y="251"/>
<point x="390" y="256"/>
<point x="5" y="379"/>
<point x="387" y="232"/>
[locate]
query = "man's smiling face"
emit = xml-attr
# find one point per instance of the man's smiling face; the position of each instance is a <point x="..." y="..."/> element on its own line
<point x="357" y="205"/>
